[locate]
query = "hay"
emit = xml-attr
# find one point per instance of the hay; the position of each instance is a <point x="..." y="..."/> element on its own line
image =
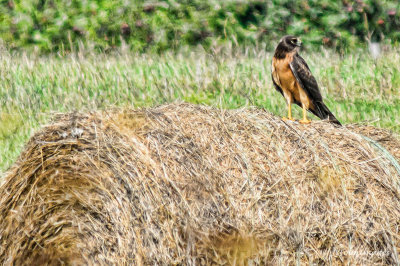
<point x="186" y="184"/>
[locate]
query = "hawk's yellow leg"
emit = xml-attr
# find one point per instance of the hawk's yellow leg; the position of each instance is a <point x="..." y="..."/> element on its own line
<point x="305" y="120"/>
<point x="289" y="113"/>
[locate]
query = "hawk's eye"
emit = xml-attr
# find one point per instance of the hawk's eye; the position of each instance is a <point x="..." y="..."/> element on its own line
<point x="294" y="41"/>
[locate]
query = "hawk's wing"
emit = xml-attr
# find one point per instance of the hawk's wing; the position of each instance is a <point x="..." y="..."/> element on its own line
<point x="306" y="80"/>
<point x="304" y="77"/>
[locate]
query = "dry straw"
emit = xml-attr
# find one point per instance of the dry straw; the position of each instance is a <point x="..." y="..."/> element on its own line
<point x="194" y="185"/>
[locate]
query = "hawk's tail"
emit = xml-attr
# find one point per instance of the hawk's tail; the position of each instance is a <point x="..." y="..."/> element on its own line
<point x="322" y="111"/>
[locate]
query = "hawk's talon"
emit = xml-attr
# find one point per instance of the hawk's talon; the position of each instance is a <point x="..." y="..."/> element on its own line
<point x="305" y="121"/>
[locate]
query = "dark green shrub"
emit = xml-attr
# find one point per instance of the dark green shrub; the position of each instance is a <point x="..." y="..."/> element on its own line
<point x="55" y="25"/>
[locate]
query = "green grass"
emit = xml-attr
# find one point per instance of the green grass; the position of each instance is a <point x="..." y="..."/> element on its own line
<point x="355" y="87"/>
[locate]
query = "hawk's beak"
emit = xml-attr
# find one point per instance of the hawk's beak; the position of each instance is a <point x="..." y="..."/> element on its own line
<point x="298" y="43"/>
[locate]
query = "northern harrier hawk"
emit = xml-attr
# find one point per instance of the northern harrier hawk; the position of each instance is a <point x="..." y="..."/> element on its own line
<point x="293" y="79"/>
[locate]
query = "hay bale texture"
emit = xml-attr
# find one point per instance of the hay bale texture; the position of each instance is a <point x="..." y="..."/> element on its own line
<point x="194" y="185"/>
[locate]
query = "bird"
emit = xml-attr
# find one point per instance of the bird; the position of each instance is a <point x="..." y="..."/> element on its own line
<point x="292" y="77"/>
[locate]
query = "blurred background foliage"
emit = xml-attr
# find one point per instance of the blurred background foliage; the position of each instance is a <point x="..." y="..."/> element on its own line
<point x="65" y="25"/>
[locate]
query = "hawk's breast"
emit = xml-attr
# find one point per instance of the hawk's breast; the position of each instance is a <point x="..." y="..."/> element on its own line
<point x="283" y="76"/>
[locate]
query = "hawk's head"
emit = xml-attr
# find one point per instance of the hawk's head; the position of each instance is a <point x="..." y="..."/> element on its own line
<point x="287" y="44"/>
<point x="291" y="41"/>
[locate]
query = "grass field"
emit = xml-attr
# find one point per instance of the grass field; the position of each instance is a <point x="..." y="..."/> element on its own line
<point x="355" y="87"/>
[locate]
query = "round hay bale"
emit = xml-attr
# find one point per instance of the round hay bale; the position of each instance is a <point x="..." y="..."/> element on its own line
<point x="187" y="184"/>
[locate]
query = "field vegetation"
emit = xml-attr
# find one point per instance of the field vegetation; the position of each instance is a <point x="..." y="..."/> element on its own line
<point x="63" y="26"/>
<point x="126" y="181"/>
<point x="356" y="87"/>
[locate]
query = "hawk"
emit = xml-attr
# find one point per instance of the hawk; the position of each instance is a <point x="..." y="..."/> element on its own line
<point x="293" y="79"/>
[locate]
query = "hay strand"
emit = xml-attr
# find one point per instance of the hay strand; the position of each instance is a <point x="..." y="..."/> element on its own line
<point x="188" y="184"/>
